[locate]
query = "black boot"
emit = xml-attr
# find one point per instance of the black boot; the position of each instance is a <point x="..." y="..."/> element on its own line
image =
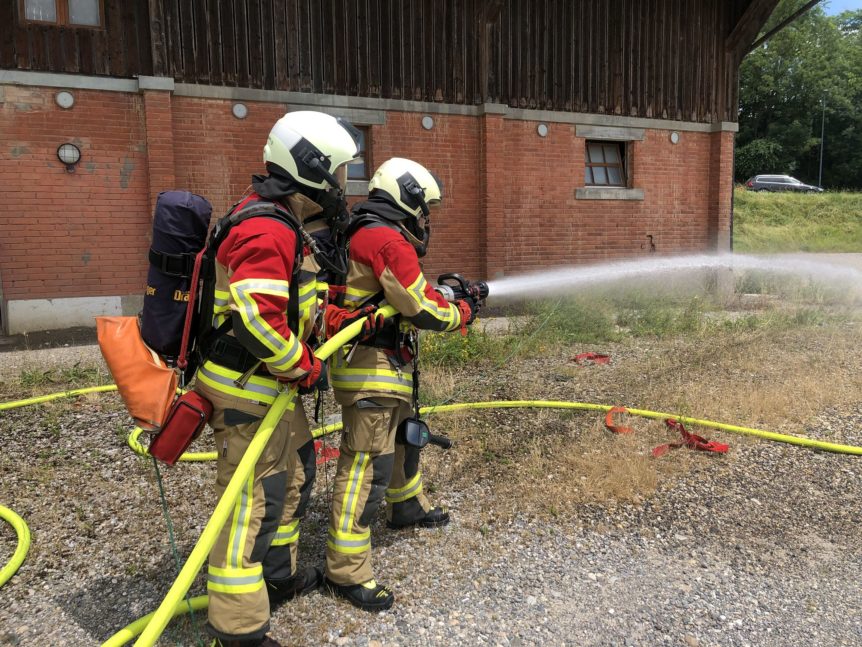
<point x="302" y="582"/>
<point x="266" y="641"/>
<point x="369" y="596"/>
<point x="409" y="513"/>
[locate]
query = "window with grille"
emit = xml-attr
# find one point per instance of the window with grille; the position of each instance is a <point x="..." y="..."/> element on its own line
<point x="605" y="164"/>
<point x="69" y="13"/>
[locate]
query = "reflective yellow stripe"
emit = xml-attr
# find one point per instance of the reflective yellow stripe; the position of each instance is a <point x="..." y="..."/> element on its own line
<point x="257" y="389"/>
<point x="351" y="495"/>
<point x="417" y="291"/>
<point x="222" y="298"/>
<point x="408" y="491"/>
<point x="369" y="379"/>
<point x="240" y="522"/>
<point x="286" y="534"/>
<point x="235" y="580"/>
<point x="349" y="543"/>
<point x="285" y="351"/>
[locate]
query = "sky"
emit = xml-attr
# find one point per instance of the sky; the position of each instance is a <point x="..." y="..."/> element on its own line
<point x="837" y="6"/>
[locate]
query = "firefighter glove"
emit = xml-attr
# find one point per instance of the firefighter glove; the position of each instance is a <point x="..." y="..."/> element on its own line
<point x="336" y="319"/>
<point x="468" y="308"/>
<point x="316" y="378"/>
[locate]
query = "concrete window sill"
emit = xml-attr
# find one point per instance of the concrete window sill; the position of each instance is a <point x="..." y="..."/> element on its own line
<point x="609" y="193"/>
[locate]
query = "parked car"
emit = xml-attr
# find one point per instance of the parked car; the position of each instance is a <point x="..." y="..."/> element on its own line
<point x="780" y="183"/>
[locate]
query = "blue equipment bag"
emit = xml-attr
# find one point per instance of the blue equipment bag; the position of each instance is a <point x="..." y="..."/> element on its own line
<point x="180" y="225"/>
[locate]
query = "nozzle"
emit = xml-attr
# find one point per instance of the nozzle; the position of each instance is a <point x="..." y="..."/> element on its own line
<point x="478" y="290"/>
<point x="454" y="287"/>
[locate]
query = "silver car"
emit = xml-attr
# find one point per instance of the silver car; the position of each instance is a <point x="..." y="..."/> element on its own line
<point x="780" y="183"/>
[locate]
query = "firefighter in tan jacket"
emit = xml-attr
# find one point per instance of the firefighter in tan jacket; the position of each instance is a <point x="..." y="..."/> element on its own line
<point x="373" y="380"/>
<point x="266" y="295"/>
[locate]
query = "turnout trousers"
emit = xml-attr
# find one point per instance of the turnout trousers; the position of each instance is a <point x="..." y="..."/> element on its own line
<point x="371" y="466"/>
<point x="258" y="543"/>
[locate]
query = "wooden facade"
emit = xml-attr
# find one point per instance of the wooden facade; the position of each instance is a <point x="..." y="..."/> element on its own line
<point x="121" y="48"/>
<point x="671" y="59"/>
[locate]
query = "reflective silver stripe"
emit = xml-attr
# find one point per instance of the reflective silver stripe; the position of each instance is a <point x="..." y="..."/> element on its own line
<point x="428" y="304"/>
<point x="286" y="536"/>
<point x="249" y="386"/>
<point x="349" y="543"/>
<point x="281" y="347"/>
<point x="385" y="379"/>
<point x="234" y="580"/>
<point x="312" y="294"/>
<point x="353" y="491"/>
<point x="406" y="494"/>
<point x="239" y="526"/>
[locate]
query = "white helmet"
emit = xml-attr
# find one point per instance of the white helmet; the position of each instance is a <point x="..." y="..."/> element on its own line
<point x="311" y="147"/>
<point x="407" y="185"/>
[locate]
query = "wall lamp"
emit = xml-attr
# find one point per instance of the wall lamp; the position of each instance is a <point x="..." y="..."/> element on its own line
<point x="70" y="155"/>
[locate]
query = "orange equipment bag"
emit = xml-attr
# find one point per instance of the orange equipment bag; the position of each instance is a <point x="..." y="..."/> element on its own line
<point x="144" y="381"/>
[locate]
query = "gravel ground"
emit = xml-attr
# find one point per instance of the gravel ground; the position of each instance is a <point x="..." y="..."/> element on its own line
<point x="758" y="547"/>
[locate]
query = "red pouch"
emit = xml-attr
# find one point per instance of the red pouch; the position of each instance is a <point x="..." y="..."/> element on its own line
<point x="185" y="421"/>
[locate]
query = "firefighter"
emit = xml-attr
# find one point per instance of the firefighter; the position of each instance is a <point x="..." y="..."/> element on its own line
<point x="268" y="306"/>
<point x="373" y="380"/>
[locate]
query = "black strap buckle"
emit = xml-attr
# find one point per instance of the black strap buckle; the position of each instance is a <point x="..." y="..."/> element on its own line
<point x="179" y="265"/>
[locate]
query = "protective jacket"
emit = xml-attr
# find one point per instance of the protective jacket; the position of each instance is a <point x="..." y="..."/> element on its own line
<point x="254" y="268"/>
<point x="384" y="268"/>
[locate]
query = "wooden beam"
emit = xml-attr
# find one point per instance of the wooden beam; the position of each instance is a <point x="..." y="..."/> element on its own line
<point x="784" y="23"/>
<point x="748" y="26"/>
<point x="158" y="46"/>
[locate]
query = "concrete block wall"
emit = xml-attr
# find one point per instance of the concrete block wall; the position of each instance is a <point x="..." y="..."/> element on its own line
<point x="74" y="244"/>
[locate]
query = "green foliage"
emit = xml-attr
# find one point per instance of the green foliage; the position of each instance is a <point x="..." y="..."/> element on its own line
<point x="785" y="222"/>
<point x="758" y="156"/>
<point x="75" y="376"/>
<point x="573" y="320"/>
<point x="453" y="349"/>
<point x="813" y="64"/>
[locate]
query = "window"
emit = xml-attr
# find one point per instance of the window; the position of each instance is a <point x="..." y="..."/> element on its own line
<point x="605" y="163"/>
<point x="73" y="13"/>
<point x="359" y="169"/>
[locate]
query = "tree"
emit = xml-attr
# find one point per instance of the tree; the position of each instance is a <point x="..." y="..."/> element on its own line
<point x="783" y="87"/>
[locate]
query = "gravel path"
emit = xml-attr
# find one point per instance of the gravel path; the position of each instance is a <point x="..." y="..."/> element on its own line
<point x="760" y="547"/>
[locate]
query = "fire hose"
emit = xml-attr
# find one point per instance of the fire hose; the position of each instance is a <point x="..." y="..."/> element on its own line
<point x="150" y="627"/>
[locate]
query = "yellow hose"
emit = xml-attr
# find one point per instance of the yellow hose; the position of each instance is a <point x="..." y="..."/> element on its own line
<point x="128" y="632"/>
<point x="20" y="553"/>
<point x="150" y="627"/>
<point x="189" y="571"/>
<point x="656" y="415"/>
<point x="56" y="396"/>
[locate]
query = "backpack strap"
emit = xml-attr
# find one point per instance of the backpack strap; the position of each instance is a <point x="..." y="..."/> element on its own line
<point x="234" y="217"/>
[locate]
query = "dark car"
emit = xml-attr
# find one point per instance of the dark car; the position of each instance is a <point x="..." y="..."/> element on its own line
<point x="780" y="183"/>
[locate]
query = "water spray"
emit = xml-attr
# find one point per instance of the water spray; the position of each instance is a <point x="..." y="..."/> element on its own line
<point x="562" y="280"/>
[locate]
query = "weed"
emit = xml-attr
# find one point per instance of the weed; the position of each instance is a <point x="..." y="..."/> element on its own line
<point x="76" y="376"/>
<point x="453" y="349"/>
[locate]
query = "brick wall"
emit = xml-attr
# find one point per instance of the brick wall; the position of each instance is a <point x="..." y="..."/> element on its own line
<point x="509" y="204"/>
<point x="72" y="234"/>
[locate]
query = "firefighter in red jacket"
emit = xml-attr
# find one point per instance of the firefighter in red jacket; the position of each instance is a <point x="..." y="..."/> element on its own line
<point x="270" y="305"/>
<point x="373" y="380"/>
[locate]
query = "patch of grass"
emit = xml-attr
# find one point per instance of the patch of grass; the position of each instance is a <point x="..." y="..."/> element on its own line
<point x="452" y="349"/>
<point x="75" y="376"/>
<point x="585" y="320"/>
<point x="786" y="222"/>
